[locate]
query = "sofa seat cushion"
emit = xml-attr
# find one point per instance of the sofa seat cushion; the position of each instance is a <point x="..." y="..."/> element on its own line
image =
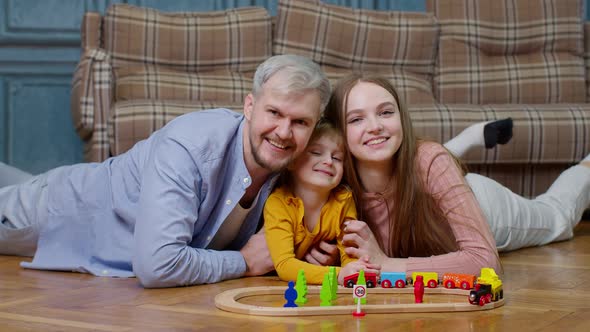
<point x="134" y="120"/>
<point x="160" y="83"/>
<point x="358" y="40"/>
<point x="505" y="51"/>
<point x="543" y="134"/>
<point x="238" y="39"/>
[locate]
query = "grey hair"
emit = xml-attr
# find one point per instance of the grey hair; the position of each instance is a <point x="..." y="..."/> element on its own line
<point x="303" y="74"/>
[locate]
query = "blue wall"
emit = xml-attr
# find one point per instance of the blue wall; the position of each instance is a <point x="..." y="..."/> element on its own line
<point x="39" y="49"/>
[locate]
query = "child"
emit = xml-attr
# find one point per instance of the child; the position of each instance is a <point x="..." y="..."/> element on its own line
<point x="310" y="205"/>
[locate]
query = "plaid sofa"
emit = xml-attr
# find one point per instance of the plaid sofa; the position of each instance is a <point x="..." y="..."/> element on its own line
<point x="460" y="62"/>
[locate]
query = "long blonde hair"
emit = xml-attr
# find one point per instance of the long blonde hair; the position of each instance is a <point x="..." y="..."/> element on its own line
<point x="417" y="226"/>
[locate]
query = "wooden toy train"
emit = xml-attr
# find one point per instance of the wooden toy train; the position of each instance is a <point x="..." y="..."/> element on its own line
<point x="484" y="289"/>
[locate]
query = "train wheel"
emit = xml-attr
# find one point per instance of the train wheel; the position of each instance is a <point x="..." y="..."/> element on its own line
<point x="482" y="301"/>
<point x="449" y="284"/>
<point x="350" y="284"/>
<point x="465" y="285"/>
<point x="400" y="284"/>
<point x="386" y="284"/>
<point x="431" y="284"/>
<point x="370" y="284"/>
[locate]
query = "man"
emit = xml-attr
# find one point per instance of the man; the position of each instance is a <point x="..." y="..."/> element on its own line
<point x="164" y="210"/>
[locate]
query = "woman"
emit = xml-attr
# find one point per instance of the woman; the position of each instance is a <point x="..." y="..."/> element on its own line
<point x="418" y="210"/>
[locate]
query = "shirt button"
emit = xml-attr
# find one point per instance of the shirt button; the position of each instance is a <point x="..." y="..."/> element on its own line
<point x="228" y="202"/>
<point x="246" y="180"/>
<point x="105" y="272"/>
<point x="208" y="238"/>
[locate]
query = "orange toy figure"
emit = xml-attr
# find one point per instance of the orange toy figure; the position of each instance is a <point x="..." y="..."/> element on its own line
<point x="419" y="289"/>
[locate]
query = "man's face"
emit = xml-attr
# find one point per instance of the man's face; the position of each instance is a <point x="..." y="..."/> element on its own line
<point x="278" y="125"/>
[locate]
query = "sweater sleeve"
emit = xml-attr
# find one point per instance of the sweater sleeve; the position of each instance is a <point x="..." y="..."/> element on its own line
<point x="445" y="181"/>
<point x="279" y="232"/>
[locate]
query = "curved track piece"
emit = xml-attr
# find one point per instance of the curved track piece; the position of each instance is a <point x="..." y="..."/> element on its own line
<point x="229" y="301"/>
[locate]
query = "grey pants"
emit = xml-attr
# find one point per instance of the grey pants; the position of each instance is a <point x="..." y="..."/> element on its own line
<point x="517" y="222"/>
<point x="22" y="207"/>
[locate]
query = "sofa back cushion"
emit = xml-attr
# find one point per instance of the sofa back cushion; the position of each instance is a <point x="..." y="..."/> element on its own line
<point x="358" y="40"/>
<point x="237" y="39"/>
<point x="505" y="51"/>
<point x="133" y="121"/>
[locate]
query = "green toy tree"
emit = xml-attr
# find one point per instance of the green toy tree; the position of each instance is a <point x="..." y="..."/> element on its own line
<point x="334" y="282"/>
<point x="301" y="287"/>
<point x="326" y="292"/>
<point x="361" y="281"/>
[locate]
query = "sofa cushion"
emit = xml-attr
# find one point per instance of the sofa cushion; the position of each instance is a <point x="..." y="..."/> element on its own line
<point x="357" y="39"/>
<point x="505" y="51"/>
<point x="543" y="133"/>
<point x="157" y="83"/>
<point x="133" y="121"/>
<point x="238" y="39"/>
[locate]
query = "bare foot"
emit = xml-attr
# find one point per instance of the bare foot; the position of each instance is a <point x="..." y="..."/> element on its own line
<point x="585" y="163"/>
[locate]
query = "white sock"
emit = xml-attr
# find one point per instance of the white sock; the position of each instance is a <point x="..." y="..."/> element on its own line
<point x="470" y="137"/>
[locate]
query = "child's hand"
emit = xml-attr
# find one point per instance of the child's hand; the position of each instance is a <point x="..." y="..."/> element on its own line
<point x="356" y="266"/>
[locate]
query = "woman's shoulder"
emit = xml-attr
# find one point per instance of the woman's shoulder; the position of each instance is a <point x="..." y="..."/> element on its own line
<point x="432" y="157"/>
<point x="427" y="151"/>
<point x="430" y="147"/>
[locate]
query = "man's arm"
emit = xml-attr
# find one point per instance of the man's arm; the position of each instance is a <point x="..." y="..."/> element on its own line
<point x="167" y="216"/>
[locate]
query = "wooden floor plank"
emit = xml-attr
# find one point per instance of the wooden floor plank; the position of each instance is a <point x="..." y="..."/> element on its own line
<point x="546" y="288"/>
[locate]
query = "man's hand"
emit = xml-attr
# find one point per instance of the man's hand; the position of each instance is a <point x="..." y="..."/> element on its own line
<point x="257" y="256"/>
<point x="324" y="254"/>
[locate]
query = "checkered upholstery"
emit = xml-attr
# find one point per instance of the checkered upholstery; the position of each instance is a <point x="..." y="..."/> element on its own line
<point x="400" y="44"/>
<point x="236" y="39"/>
<point x="527" y="59"/>
<point x="133" y="121"/>
<point x="509" y="51"/>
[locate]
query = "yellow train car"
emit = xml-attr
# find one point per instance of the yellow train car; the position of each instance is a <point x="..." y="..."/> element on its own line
<point x="430" y="278"/>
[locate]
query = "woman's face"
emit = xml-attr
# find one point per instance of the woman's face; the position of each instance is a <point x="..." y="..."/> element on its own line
<point x="373" y="126"/>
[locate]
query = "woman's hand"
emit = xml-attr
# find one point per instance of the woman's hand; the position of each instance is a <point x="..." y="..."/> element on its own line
<point x="356" y="266"/>
<point x="360" y="241"/>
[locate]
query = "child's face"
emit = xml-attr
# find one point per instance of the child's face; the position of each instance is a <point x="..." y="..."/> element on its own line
<point x="321" y="164"/>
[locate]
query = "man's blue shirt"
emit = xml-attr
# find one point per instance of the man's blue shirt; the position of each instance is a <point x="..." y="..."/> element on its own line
<point x="152" y="211"/>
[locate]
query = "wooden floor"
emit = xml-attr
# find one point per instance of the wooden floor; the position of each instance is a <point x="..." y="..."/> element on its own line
<point x="546" y="288"/>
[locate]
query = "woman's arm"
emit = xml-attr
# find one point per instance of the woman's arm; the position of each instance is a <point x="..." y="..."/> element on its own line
<point x="444" y="180"/>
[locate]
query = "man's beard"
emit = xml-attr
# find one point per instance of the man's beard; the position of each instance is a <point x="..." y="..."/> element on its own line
<point x="277" y="167"/>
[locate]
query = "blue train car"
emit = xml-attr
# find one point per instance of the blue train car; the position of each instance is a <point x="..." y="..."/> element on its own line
<point x="390" y="279"/>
